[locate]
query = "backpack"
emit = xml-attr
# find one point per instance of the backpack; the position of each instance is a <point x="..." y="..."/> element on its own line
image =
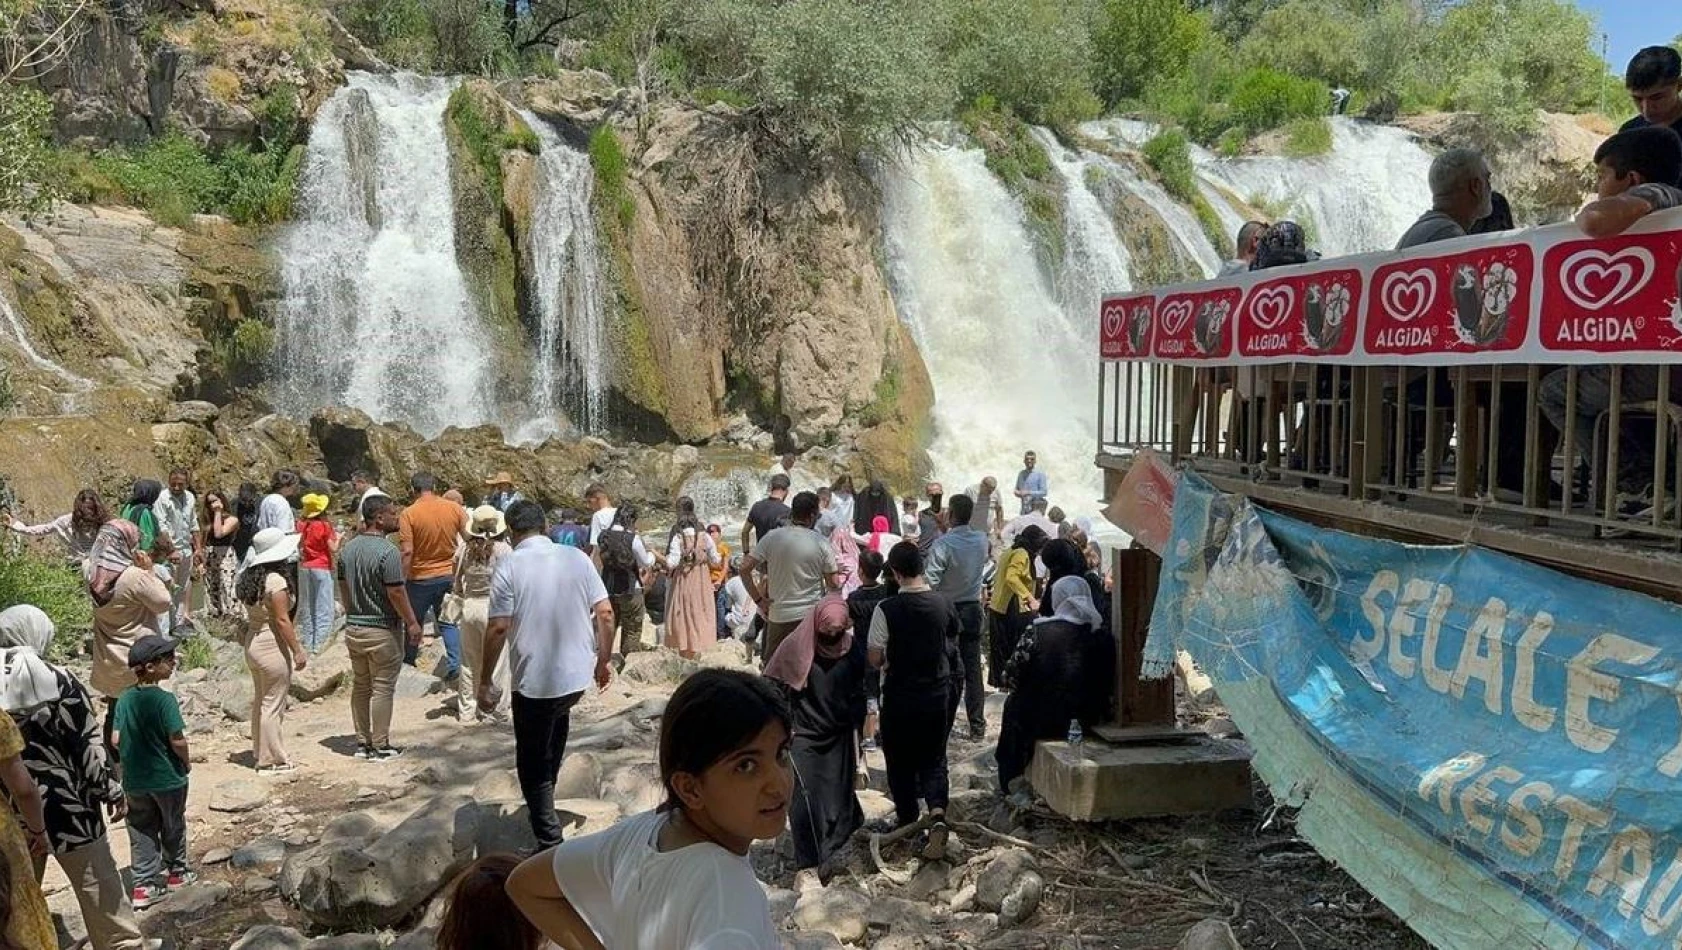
<point x="619" y="561"/>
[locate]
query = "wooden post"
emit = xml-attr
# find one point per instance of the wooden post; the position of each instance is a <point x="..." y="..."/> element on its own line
<point x="1138" y="702"/>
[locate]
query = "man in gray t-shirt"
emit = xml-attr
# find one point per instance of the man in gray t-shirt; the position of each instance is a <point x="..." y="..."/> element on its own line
<point x="800" y="568"/>
<point x="370" y="575"/>
<point x="1460" y="195"/>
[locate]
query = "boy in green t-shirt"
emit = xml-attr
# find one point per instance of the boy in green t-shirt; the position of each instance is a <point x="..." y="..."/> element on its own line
<point x="148" y="734"/>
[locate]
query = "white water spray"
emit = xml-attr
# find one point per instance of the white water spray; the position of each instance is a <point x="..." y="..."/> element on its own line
<point x="68" y="402"/>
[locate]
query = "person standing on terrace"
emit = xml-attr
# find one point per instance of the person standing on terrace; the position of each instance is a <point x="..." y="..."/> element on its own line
<point x="1654" y="81"/>
<point x="1460" y="195"/>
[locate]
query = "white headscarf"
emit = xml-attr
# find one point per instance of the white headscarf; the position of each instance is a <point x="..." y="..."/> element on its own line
<point x="27" y="681"/>
<point x="1071" y="601"/>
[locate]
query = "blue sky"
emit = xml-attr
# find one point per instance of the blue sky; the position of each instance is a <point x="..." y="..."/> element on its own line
<point x="1632" y="24"/>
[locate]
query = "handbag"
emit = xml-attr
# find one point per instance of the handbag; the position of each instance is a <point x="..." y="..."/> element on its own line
<point x="450" y="612"/>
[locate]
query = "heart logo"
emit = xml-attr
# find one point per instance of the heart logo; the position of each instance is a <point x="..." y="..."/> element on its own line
<point x="1271" y="307"/>
<point x="1407" y="295"/>
<point x="1594" y="279"/>
<point x="1175" y="316"/>
<point x="1114" y="314"/>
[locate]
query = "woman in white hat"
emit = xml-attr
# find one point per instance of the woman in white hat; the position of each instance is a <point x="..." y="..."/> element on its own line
<point x="476" y="561"/>
<point x="268" y="586"/>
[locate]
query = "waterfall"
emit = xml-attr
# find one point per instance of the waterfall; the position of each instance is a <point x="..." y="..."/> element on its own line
<point x="1094" y="262"/>
<point x="376" y="314"/>
<point x="68" y="402"/>
<point x="1011" y="367"/>
<point x="569" y="375"/>
<point x="1358" y="197"/>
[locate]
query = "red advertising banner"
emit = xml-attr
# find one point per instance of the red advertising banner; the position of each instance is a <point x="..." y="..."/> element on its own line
<point x="1614" y="295"/>
<point x="1126" y="327"/>
<point x="1478" y="300"/>
<point x="1196" y="325"/>
<point x="1301" y="315"/>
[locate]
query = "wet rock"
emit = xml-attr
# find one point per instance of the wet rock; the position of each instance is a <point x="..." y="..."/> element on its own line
<point x="999" y="878"/>
<point x="239" y="795"/>
<point x="838" y="911"/>
<point x="1211" y="934"/>
<point x="271" y="937"/>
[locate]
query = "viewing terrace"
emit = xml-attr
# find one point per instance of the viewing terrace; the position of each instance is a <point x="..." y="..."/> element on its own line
<point x="1408" y="395"/>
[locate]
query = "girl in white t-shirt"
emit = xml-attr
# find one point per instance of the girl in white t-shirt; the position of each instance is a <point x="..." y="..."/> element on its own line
<point x="678" y="878"/>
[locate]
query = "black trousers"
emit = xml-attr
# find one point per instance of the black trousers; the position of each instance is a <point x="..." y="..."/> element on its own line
<point x="914" y="730"/>
<point x="540" y="740"/>
<point x="969" y="649"/>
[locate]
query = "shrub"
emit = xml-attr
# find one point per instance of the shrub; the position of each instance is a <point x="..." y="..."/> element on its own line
<point x="1033" y="56"/>
<point x="1139" y="44"/>
<point x="1170" y="155"/>
<point x="1305" y="138"/>
<point x="1265" y="99"/>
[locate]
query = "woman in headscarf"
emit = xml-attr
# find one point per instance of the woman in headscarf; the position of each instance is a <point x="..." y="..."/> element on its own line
<point x="127" y="599"/>
<point x="875" y="501"/>
<point x="1013" y="603"/>
<point x="881" y="538"/>
<point x="691" y="609"/>
<point x="268" y="586"/>
<point x="65" y="756"/>
<point x="138" y="509"/>
<point x="1045" y="677"/>
<point x="1067" y="558"/>
<point x="826" y="680"/>
<point x="476" y="561"/>
<point x="846" y="548"/>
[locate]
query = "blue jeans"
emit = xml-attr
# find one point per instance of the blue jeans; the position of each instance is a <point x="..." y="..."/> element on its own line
<point x="428" y="597"/>
<point x="315" y="614"/>
<point x="722" y="603"/>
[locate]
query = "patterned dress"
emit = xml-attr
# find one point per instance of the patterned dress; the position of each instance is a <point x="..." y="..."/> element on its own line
<point x="30" y="927"/>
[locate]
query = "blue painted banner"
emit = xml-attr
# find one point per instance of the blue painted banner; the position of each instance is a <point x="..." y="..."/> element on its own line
<point x="1489" y="746"/>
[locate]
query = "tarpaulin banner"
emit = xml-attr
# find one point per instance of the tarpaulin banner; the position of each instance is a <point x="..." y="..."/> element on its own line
<point x="1492" y="748"/>
<point x="1542" y="295"/>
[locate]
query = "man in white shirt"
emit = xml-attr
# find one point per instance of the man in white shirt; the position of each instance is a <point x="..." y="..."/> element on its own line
<point x="177" y="512"/>
<point x="548" y="604"/>
<point x="602" y="512"/>
<point x="800" y="567"/>
<point x="362" y="484"/>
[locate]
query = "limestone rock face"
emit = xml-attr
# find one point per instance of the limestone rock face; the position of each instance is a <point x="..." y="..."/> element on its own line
<point x="584" y="97"/>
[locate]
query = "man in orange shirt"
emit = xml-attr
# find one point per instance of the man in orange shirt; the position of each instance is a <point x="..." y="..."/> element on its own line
<point x="426" y="537"/>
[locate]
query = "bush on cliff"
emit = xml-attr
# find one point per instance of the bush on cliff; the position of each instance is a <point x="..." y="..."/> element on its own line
<point x="31" y="576"/>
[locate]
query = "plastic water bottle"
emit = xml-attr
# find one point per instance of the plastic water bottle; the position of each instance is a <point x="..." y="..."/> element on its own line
<point x="1075" y="735"/>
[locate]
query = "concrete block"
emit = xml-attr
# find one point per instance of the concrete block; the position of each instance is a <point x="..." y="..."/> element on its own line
<point x="1096" y="781"/>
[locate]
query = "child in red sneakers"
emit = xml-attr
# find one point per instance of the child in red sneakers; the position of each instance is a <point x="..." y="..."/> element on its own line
<point x="152" y="746"/>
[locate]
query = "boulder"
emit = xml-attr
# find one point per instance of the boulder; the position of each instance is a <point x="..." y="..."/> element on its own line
<point x="191" y="901"/>
<point x="426" y="938"/>
<point x="328" y="672"/>
<point x="1023" y="899"/>
<point x="265" y="851"/>
<point x="345" y="942"/>
<point x="193" y="412"/>
<point x="581" y="96"/>
<point x="634" y="788"/>
<point x="239" y="795"/>
<point x="838" y="911"/>
<point x="505" y="827"/>
<point x="809" y="940"/>
<point x="580" y="777"/>
<point x="346" y="886"/>
<point x="271" y="937"/>
<point x="656" y="667"/>
<point x="503" y="785"/>
<point x="236" y="694"/>
<point x="1211" y="934"/>
<point x="781" y="901"/>
<point x="414" y="684"/>
<point x="930" y="879"/>
<point x="583" y="816"/>
<point x="730" y="654"/>
<point x="999" y="878"/>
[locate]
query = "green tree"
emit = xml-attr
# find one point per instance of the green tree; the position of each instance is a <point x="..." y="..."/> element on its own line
<point x="35" y="36"/>
<point x="1310" y="38"/>
<point x="1140" y="43"/>
<point x="1509" y="57"/>
<point x="1031" y="56"/>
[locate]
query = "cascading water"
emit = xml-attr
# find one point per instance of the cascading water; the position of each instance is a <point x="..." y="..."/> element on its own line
<point x="68" y="402"/>
<point x="1358" y="197"/>
<point x="1005" y="358"/>
<point x="376" y="313"/>
<point x="569" y="374"/>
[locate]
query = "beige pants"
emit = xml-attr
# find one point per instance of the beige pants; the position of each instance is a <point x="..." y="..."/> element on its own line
<point x="475" y="617"/>
<point x="376" y="659"/>
<point x="271" y="677"/>
<point x="106" y="912"/>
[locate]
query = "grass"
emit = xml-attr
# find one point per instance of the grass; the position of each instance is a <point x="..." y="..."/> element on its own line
<point x="195" y="653"/>
<point x="173" y="177"/>
<point x="1306" y="138"/>
<point x="486" y="140"/>
<point x="612" y="175"/>
<point x="885" y="400"/>
<point x="29" y="576"/>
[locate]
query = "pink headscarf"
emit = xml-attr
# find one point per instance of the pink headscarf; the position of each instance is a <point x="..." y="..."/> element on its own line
<point x="846" y="549"/>
<point x="878" y="527"/>
<point x="111" y="555"/>
<point x="792" y="663"/>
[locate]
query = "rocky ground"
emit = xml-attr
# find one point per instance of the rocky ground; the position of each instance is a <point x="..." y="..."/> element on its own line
<point x="347" y="854"/>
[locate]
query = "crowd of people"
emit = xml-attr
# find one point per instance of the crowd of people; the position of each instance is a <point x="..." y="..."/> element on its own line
<point x="1638" y="171"/>
<point x="875" y="621"/>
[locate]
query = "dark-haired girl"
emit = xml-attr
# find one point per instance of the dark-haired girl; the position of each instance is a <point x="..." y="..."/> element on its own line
<point x="220" y="565"/>
<point x="480" y="915"/>
<point x="679" y="876"/>
<point x="77" y="529"/>
<point x="268" y="586"/>
<point x="914" y="641"/>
